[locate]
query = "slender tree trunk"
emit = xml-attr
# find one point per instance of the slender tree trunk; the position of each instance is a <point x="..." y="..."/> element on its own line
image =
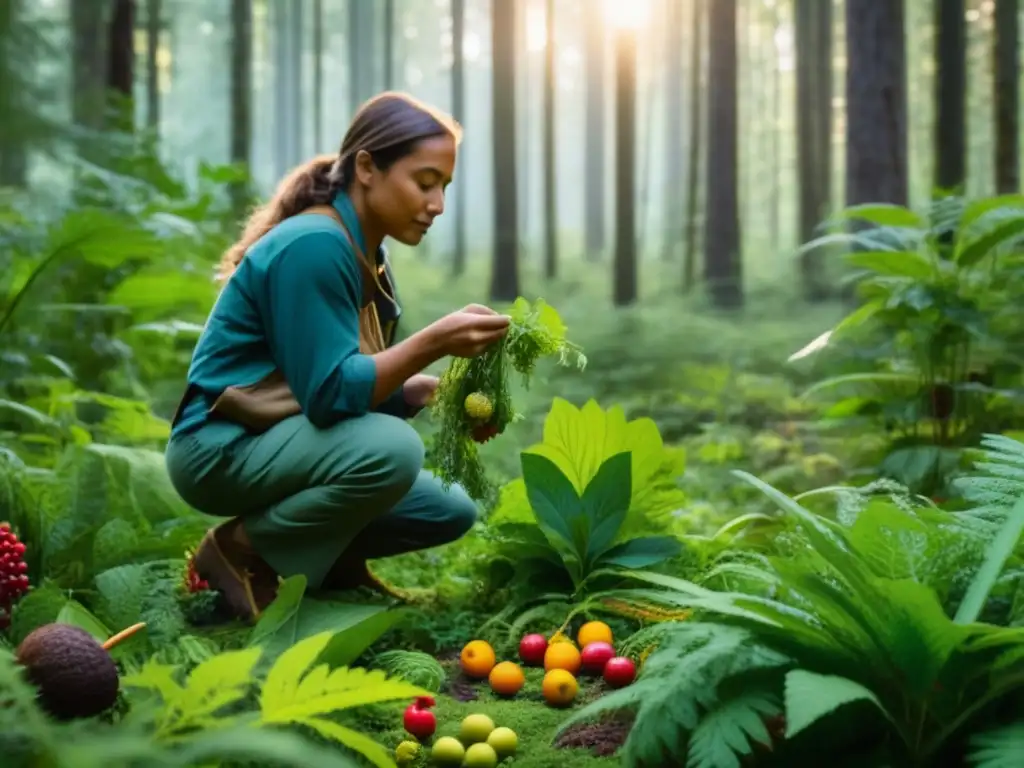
<point x="673" y="224"/>
<point x="14" y="134"/>
<point x="624" y="289"/>
<point x="697" y="117"/>
<point x="722" y="265"/>
<point x="505" y="272"/>
<point x="154" y="25"/>
<point x="550" y="199"/>
<point x="814" y="133"/>
<point x="389" y="44"/>
<point x="1007" y="96"/>
<point x="318" y="76"/>
<point x="121" y="63"/>
<point x="594" y="136"/>
<point x="459" y="112"/>
<point x="950" y="94"/>
<point x="241" y="96"/>
<point x="876" y="98"/>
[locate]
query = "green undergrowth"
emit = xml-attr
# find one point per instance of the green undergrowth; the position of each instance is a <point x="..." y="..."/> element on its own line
<point x="534" y="722"/>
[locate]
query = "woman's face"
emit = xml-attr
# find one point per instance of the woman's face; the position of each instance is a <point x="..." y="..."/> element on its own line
<point x="408" y="196"/>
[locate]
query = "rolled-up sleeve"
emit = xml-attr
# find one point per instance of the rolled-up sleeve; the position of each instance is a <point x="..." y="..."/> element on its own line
<point x="312" y="299"/>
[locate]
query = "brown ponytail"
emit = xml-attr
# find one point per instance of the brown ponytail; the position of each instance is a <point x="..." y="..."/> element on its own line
<point x="388" y="126"/>
<point x="311" y="183"/>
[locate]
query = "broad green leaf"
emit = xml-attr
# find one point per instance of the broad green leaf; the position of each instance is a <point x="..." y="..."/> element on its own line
<point x="920" y="636"/>
<point x="281" y="611"/>
<point x="979" y="208"/>
<point x="882" y="214"/>
<point x="555" y="502"/>
<point x="641" y="552"/>
<point x="77" y="615"/>
<point x="606" y="502"/>
<point x="970" y="252"/>
<point x="859" y="316"/>
<point x="580" y="440"/>
<point x="909" y="264"/>
<point x="348" y="644"/>
<point x="811" y="696"/>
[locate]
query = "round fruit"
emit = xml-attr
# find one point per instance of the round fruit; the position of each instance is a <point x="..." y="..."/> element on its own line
<point x="74" y="674"/>
<point x="619" y="672"/>
<point x="504" y="742"/>
<point x="480" y="756"/>
<point x="562" y="656"/>
<point x="594" y="632"/>
<point x="559" y="687"/>
<point x="475" y="728"/>
<point x="531" y="649"/>
<point x="506" y="679"/>
<point x="595" y="655"/>
<point x="405" y="753"/>
<point x="418" y="719"/>
<point x="447" y="751"/>
<point x="477" y="659"/>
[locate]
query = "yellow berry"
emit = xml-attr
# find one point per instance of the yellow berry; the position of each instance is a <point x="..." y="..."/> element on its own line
<point x="479" y="406"/>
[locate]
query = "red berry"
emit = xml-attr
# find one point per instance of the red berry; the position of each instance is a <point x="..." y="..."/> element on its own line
<point x="18" y="549"/>
<point x="21" y="567"/>
<point x="23" y="582"/>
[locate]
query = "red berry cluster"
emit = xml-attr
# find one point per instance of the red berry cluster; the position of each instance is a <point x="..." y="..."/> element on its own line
<point x="13" y="573"/>
<point x="191" y="580"/>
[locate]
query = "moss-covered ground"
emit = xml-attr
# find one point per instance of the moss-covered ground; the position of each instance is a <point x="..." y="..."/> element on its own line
<point x="526" y="713"/>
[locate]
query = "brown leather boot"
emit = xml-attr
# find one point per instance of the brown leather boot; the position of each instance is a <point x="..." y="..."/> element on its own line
<point x="230" y="565"/>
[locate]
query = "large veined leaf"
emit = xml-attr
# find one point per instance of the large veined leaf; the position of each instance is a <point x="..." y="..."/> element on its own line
<point x="811" y="696"/>
<point x="909" y="264"/>
<point x="294" y="616"/>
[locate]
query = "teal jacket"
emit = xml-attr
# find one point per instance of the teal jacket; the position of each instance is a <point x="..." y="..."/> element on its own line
<point x="293" y="305"/>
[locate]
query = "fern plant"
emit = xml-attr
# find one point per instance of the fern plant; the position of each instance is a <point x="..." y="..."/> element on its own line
<point x="839" y="633"/>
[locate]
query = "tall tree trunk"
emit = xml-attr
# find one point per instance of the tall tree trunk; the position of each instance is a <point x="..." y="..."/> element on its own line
<point x="876" y="98"/>
<point x="361" y="52"/>
<point x="550" y="199"/>
<point x="459" y="112"/>
<point x="121" y="63"/>
<point x="1007" y="96"/>
<point x="318" y="76"/>
<point x="950" y="94"/>
<point x="241" y="96"/>
<point x="814" y="132"/>
<point x="505" y="271"/>
<point x="594" y="136"/>
<point x="13" y="132"/>
<point x="673" y="224"/>
<point x="389" y="44"/>
<point x="722" y="260"/>
<point x="154" y="26"/>
<point x="697" y="118"/>
<point x="624" y="288"/>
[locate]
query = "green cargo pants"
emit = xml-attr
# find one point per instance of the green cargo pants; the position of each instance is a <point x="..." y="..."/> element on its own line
<point x="308" y="495"/>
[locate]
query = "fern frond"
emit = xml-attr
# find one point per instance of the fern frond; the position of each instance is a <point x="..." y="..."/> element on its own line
<point x="679" y="683"/>
<point x="729" y="730"/>
<point x="998" y="748"/>
<point x="414" y="667"/>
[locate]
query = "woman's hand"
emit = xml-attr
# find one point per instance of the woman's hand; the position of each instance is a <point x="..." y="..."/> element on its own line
<point x="419" y="390"/>
<point x="470" y="331"/>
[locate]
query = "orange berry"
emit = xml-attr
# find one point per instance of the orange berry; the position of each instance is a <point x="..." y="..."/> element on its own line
<point x="562" y="656"/>
<point x="477" y="659"/>
<point x="506" y="678"/>
<point x="559" y="687"/>
<point x="594" y="632"/>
